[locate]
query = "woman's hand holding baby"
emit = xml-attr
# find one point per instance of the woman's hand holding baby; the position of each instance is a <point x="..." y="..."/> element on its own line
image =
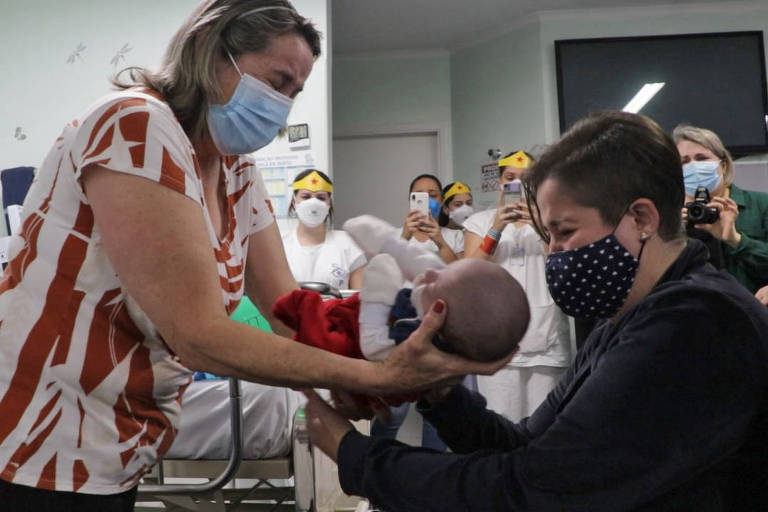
<point x="420" y="365"/>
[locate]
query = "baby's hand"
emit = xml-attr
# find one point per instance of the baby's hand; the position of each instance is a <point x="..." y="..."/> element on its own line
<point x="370" y="233"/>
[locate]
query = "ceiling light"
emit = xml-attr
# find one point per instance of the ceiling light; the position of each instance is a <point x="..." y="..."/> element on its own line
<point x="643" y="96"/>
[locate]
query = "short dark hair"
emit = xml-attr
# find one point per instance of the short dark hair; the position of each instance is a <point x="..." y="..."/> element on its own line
<point x="303" y="174"/>
<point x="609" y="159"/>
<point x="422" y="176"/>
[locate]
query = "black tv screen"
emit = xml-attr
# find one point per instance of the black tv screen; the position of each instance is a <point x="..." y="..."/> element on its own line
<point x="714" y="81"/>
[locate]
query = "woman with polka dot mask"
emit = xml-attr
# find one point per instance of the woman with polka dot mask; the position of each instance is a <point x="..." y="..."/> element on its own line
<point x="664" y="408"/>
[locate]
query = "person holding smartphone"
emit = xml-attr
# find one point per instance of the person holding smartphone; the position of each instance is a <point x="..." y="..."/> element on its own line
<point x="420" y="225"/>
<point x="419" y="228"/>
<point x="505" y="236"/>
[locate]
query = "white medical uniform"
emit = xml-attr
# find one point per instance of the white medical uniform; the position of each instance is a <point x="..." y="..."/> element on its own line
<point x="428" y="244"/>
<point x="330" y="262"/>
<point x="454" y="238"/>
<point x="518" y="389"/>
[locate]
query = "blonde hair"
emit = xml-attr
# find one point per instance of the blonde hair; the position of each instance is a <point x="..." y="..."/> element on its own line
<point x="707" y="139"/>
<point x="187" y="77"/>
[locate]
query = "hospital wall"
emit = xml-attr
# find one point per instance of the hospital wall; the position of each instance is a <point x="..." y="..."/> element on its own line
<point x="381" y="92"/>
<point x="526" y="71"/>
<point x="503" y="91"/>
<point x="382" y="95"/>
<point x="58" y="56"/>
<point x="496" y="100"/>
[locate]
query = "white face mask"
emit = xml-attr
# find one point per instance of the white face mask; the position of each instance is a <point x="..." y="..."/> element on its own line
<point x="460" y="214"/>
<point x="312" y="212"/>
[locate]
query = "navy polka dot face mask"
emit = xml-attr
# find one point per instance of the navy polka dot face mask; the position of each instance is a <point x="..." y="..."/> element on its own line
<point x="592" y="281"/>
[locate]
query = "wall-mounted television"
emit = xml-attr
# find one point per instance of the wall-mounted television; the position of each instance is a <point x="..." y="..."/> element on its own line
<point x="713" y="80"/>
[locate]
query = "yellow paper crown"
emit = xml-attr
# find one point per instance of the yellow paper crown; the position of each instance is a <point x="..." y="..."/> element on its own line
<point x="520" y="159"/>
<point x="313" y="182"/>
<point x="456" y="188"/>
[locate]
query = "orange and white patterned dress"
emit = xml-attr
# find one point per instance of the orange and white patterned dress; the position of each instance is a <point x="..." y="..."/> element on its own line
<point x="89" y="393"/>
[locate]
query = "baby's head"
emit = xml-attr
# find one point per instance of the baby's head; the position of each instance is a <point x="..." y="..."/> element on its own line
<point x="488" y="311"/>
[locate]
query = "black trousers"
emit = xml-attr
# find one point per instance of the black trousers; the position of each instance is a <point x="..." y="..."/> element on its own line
<point x="21" y="498"/>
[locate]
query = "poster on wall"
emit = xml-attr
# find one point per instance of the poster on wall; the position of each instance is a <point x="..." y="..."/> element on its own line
<point x="278" y="172"/>
<point x="489" y="178"/>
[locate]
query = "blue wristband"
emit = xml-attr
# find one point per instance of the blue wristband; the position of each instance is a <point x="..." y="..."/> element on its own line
<point x="494" y="234"/>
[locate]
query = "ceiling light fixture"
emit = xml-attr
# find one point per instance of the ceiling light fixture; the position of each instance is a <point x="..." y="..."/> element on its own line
<point x="643" y="96"/>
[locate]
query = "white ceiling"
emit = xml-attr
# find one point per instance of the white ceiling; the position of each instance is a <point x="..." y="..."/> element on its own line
<point x="390" y="26"/>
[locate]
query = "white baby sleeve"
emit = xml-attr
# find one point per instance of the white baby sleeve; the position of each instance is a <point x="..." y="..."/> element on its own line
<point x="375" y="236"/>
<point x="382" y="281"/>
<point x="370" y="233"/>
<point x="412" y="259"/>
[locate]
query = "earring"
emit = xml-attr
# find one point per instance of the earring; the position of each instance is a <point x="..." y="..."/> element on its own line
<point x="644" y="236"/>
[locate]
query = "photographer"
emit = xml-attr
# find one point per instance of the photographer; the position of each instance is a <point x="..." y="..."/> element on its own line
<point x="505" y="236"/>
<point x="738" y="237"/>
<point x="424" y="230"/>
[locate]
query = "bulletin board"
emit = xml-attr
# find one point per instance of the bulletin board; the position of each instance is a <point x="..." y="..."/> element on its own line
<point x="489" y="178"/>
<point x="278" y="172"/>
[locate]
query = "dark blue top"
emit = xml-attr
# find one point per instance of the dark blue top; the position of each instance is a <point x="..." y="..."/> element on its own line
<point x="664" y="410"/>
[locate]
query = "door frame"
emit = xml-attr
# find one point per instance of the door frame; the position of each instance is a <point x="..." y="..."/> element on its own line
<point x="444" y="155"/>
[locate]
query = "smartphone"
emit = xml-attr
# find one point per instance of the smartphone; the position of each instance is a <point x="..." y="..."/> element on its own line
<point x="513" y="192"/>
<point x="420" y="202"/>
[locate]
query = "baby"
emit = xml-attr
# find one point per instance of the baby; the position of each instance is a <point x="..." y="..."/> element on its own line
<point x="487" y="315"/>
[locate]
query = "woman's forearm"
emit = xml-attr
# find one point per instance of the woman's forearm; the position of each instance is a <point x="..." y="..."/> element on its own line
<point x="446" y="253"/>
<point x="229" y="348"/>
<point x="472" y="247"/>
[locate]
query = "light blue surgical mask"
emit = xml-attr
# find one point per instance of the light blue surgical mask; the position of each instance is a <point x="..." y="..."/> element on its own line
<point x="701" y="174"/>
<point x="251" y="119"/>
<point x="434" y="208"/>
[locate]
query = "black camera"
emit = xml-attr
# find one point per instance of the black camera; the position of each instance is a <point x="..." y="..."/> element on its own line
<point x="698" y="211"/>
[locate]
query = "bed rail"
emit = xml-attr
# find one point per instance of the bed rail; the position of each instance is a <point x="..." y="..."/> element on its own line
<point x="216" y="495"/>
<point x="233" y="463"/>
<point x="323" y="289"/>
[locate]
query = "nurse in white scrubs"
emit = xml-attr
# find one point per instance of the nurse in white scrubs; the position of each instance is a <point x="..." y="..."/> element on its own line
<point x="425" y="231"/>
<point x="456" y="208"/>
<point x="505" y="236"/>
<point x="315" y="252"/>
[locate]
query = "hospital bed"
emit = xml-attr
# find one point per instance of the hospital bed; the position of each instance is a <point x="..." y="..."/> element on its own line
<point x="260" y="459"/>
<point x="243" y="464"/>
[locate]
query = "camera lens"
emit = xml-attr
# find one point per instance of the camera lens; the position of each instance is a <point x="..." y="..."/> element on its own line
<point x="699" y="213"/>
<point x="695" y="212"/>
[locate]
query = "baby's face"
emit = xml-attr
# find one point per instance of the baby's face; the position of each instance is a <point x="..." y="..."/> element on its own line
<point x="435" y="284"/>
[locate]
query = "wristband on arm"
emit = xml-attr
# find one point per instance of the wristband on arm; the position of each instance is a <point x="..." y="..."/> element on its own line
<point x="490" y="242"/>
